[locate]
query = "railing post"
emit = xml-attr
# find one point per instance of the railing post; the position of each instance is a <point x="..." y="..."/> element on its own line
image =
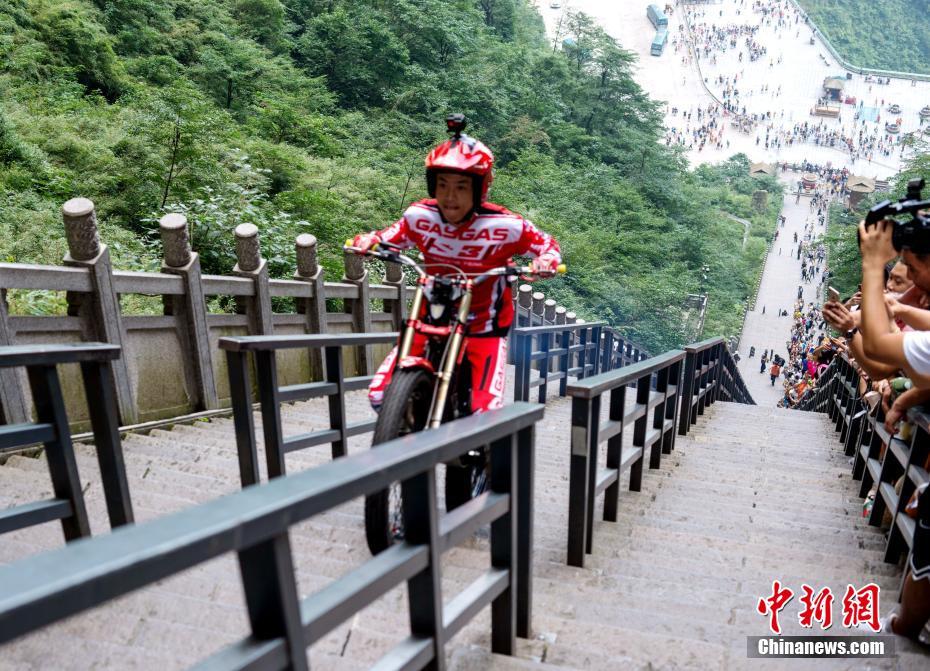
<point x="607" y="356"/>
<point x="59" y="452"/>
<point x="578" y="481"/>
<point x="521" y="390"/>
<point x="503" y="480"/>
<point x="190" y="309"/>
<point x="595" y="349"/>
<point x="104" y="418"/>
<point x="359" y="308"/>
<point x="397" y="307"/>
<point x="99" y="311"/>
<point x="424" y="590"/>
<point x="544" y="339"/>
<point x="250" y="264"/>
<point x="337" y="401"/>
<point x="12" y="390"/>
<point x="549" y="311"/>
<point x="570" y="318"/>
<point x="526" y="467"/>
<point x="583" y="351"/>
<point x="267" y="378"/>
<point x="240" y="391"/>
<point x="614" y="453"/>
<point x="671" y="406"/>
<point x="537" y="309"/>
<point x="643" y="390"/>
<point x="313" y="308"/>
<point x="687" y="393"/>
<point x="270" y="588"/>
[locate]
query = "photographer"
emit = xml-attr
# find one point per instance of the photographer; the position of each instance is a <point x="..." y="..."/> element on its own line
<point x="910" y="350"/>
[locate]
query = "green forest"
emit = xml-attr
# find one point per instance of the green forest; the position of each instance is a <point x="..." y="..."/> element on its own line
<point x="885" y="34"/>
<point x="315" y="116"/>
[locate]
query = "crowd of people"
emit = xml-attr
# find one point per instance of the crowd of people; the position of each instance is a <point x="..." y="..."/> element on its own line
<point x="884" y="331"/>
<point x="754" y="108"/>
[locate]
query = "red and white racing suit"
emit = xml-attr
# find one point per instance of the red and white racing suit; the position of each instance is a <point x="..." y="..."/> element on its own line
<point x="489" y="239"/>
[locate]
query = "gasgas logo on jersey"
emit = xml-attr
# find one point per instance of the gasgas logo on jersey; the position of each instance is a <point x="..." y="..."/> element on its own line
<point x="490" y="233"/>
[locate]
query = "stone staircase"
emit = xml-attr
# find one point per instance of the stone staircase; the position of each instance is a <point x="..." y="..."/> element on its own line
<point x="751" y="495"/>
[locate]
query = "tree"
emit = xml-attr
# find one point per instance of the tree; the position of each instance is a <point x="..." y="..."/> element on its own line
<point x="262" y="21"/>
<point x="358" y="54"/>
<point x="169" y="145"/>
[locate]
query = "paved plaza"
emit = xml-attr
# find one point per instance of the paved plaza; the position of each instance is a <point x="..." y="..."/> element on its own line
<point x="785" y="80"/>
<point x="792" y="71"/>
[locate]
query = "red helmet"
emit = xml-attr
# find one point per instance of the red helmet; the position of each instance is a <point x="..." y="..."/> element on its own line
<point x="461" y="154"/>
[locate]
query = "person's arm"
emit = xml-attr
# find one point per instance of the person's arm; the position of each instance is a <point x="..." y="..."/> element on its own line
<point x="878" y="341"/>
<point x="541" y="247"/>
<point x="915" y="317"/>
<point x="839" y="317"/>
<point x="872" y="368"/>
<point x="903" y="403"/>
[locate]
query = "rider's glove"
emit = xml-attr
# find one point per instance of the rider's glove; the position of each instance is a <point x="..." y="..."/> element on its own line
<point x="545" y="264"/>
<point x="365" y="241"/>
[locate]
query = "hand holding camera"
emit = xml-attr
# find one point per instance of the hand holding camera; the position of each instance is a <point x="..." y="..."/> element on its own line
<point x="912" y="234"/>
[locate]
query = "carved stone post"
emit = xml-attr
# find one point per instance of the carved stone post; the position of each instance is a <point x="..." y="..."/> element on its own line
<point x="539" y="306"/>
<point x="250" y="264"/>
<point x="521" y="317"/>
<point x="12" y="387"/>
<point x="99" y="310"/>
<point x="549" y="311"/>
<point x="190" y="310"/>
<point x="359" y="308"/>
<point x="394" y="277"/>
<point x="525" y="302"/>
<point x="313" y="308"/>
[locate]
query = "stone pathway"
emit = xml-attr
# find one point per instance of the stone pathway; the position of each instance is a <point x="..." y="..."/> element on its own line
<point x="778" y="290"/>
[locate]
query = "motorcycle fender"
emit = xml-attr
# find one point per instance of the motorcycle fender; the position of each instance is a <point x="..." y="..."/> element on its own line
<point x="409" y="362"/>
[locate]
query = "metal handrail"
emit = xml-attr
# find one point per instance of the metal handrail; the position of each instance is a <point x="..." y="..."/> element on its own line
<point x="658" y="396"/>
<point x="51" y="429"/>
<point x="255" y="524"/>
<point x="577" y="355"/>
<point x="271" y="395"/>
<point x="880" y="458"/>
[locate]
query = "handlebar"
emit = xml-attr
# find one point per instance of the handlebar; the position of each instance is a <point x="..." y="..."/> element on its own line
<point x="387" y="251"/>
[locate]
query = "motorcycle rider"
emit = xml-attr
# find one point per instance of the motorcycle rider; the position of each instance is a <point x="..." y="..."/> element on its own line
<point x="457" y="226"/>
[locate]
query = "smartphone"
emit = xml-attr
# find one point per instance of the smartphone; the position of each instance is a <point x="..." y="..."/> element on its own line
<point x="833" y="295"/>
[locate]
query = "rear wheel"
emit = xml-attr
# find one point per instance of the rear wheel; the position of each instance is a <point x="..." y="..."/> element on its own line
<point x="467" y="481"/>
<point x="405" y="410"/>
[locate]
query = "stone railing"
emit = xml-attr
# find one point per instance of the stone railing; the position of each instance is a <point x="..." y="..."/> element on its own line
<point x="170" y="364"/>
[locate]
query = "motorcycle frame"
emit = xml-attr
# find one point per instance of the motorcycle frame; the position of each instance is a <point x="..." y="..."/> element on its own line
<point x="451" y="355"/>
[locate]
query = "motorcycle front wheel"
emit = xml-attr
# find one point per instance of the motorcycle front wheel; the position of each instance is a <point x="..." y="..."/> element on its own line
<point x="405" y="410"/>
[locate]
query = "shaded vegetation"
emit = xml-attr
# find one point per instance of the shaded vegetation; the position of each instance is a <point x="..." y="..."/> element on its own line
<point x="888" y="35"/>
<point x="314" y="116"/>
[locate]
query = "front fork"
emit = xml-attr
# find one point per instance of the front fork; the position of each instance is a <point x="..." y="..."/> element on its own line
<point x="449" y="360"/>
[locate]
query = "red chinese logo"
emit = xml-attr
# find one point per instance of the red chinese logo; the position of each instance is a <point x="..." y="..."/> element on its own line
<point x="773" y="604"/>
<point x="817" y="608"/>
<point x="861" y="607"/>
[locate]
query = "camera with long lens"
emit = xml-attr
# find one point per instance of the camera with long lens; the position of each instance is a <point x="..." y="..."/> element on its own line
<point x="911" y="233"/>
